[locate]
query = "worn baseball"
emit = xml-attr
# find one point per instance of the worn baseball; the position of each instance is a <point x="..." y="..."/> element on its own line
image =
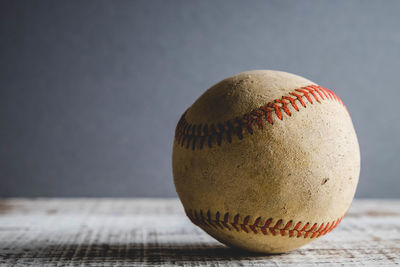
<point x="266" y="161"/>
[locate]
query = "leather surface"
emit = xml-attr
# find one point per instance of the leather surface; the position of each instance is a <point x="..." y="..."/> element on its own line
<point x="303" y="168"/>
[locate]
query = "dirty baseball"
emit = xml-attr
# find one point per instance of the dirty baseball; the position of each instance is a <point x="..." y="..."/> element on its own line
<point x="266" y="161"/>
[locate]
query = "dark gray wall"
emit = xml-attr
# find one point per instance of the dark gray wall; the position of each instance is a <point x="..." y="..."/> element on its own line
<point x="90" y="91"/>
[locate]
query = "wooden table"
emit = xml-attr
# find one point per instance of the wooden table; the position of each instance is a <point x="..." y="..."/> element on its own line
<point x="126" y="232"/>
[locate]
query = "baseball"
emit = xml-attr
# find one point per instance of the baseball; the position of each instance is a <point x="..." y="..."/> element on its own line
<point x="266" y="161"/>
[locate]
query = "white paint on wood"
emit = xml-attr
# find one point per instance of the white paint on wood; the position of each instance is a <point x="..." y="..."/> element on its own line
<point x="126" y="232"/>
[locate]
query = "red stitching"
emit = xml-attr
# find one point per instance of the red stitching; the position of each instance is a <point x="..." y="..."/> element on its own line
<point x="225" y="222"/>
<point x="254" y="226"/>
<point x="244" y="224"/>
<point x="305" y="94"/>
<point x="268" y="227"/>
<point x="235" y="222"/>
<point x="277" y="109"/>
<point x="195" y="136"/>
<point x="298" y="96"/>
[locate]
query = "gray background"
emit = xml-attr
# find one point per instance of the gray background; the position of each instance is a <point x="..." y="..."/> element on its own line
<point x="90" y="91"/>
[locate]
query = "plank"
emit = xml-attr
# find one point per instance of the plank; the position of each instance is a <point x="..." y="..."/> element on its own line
<point x="142" y="232"/>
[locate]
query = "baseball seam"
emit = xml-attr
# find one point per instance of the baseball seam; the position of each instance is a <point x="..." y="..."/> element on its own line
<point x="195" y="136"/>
<point x="269" y="226"/>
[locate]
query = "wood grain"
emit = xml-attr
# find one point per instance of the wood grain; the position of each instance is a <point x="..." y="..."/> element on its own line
<point x="129" y="232"/>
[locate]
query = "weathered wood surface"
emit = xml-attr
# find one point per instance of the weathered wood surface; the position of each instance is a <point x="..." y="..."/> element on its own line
<point x="127" y="232"/>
